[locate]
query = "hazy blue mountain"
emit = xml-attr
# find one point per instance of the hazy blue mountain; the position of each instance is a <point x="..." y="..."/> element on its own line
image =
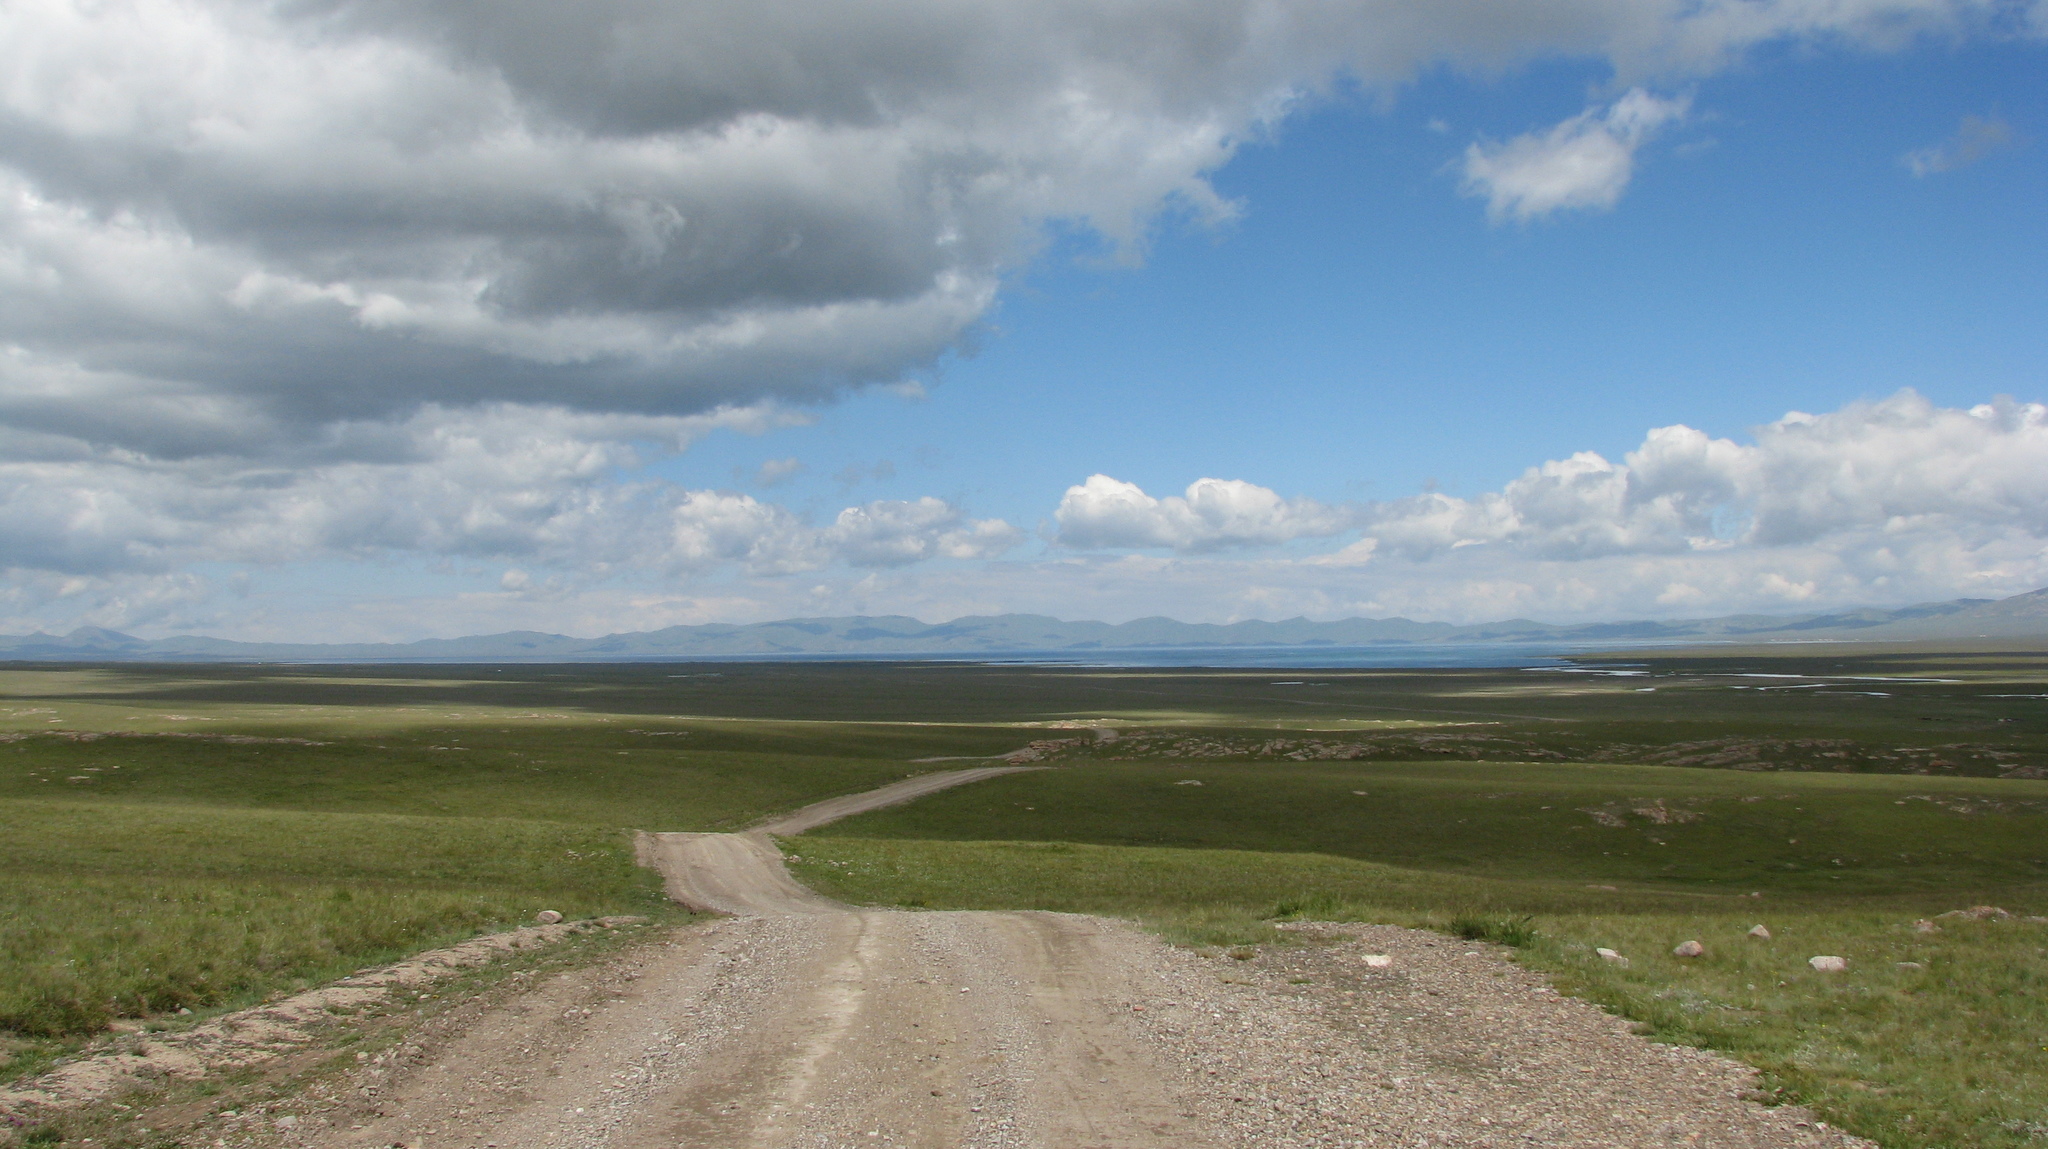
<point x="2020" y="617"/>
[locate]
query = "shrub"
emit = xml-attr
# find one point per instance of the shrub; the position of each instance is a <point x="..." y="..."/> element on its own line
<point x="1514" y="932"/>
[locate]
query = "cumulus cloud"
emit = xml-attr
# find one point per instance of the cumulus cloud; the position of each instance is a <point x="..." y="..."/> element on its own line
<point x="1892" y="501"/>
<point x="1584" y="163"/>
<point x="1875" y="471"/>
<point x="1975" y="138"/>
<point x="1896" y="500"/>
<point x="496" y="485"/>
<point x="1214" y="514"/>
<point x="1885" y="470"/>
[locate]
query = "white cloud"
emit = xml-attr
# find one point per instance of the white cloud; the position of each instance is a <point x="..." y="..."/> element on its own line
<point x="494" y="484"/>
<point x="1214" y="514"/>
<point x="1878" y="503"/>
<point x="1897" y="467"/>
<point x="1583" y="163"/>
<point x="1975" y="138"/>
<point x="895" y="533"/>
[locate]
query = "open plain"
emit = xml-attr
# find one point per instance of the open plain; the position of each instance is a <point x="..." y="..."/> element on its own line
<point x="216" y="836"/>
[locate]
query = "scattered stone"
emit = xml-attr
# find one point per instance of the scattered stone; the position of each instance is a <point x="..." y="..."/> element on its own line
<point x="1608" y="955"/>
<point x="1911" y="965"/>
<point x="1923" y="926"/>
<point x="548" y="917"/>
<point x="1378" y="961"/>
<point x="1978" y="914"/>
<point x="1760" y="932"/>
<point x="287" y="1122"/>
<point x="1688" y="949"/>
<point x="1828" y="963"/>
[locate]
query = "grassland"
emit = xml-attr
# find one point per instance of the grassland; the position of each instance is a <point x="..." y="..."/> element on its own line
<point x="138" y="910"/>
<point x="181" y="840"/>
<point x="201" y="836"/>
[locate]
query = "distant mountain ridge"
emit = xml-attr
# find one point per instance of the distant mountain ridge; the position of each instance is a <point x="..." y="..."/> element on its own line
<point x="2022" y="616"/>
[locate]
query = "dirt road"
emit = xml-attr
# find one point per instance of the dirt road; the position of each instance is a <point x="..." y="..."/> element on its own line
<point x="805" y="1024"/>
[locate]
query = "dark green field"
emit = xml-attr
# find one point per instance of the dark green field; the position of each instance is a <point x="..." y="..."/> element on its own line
<point x="200" y="836"/>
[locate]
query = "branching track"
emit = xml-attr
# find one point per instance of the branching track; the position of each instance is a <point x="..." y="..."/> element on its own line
<point x="924" y="1029"/>
<point x="800" y="1023"/>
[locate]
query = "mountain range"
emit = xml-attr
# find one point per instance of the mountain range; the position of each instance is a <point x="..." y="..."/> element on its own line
<point x="2020" y="617"/>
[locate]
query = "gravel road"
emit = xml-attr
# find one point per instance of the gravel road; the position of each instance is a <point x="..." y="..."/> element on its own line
<point x="805" y="1024"/>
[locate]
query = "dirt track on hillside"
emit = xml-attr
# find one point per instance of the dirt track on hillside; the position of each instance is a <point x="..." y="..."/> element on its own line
<point x="806" y="1024"/>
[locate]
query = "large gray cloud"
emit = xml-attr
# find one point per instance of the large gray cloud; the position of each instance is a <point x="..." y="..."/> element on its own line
<point x="233" y="224"/>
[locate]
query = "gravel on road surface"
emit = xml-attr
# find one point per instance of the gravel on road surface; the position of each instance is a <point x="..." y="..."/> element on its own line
<point x="801" y="1023"/>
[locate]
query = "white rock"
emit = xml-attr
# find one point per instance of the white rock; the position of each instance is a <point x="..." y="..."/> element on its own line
<point x="1608" y="955"/>
<point x="1378" y="961"/>
<point x="1760" y="931"/>
<point x="547" y="917"/>
<point x="1828" y="963"/>
<point x="1911" y="965"/>
<point x="1688" y="949"/>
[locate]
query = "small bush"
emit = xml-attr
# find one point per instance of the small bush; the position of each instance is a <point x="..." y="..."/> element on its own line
<point x="1313" y="907"/>
<point x="1513" y="932"/>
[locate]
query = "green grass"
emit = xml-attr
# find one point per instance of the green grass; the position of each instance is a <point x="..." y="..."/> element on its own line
<point x="129" y="911"/>
<point x="1706" y="830"/>
<point x="205" y="836"/>
<point x="1950" y="1055"/>
<point x="196" y="838"/>
<point x="657" y="777"/>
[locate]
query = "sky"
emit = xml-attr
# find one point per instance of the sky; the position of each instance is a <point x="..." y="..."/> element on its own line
<point x="358" y="320"/>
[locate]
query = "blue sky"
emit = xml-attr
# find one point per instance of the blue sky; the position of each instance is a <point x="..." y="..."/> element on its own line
<point x="1361" y="330"/>
<point x="1376" y="294"/>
